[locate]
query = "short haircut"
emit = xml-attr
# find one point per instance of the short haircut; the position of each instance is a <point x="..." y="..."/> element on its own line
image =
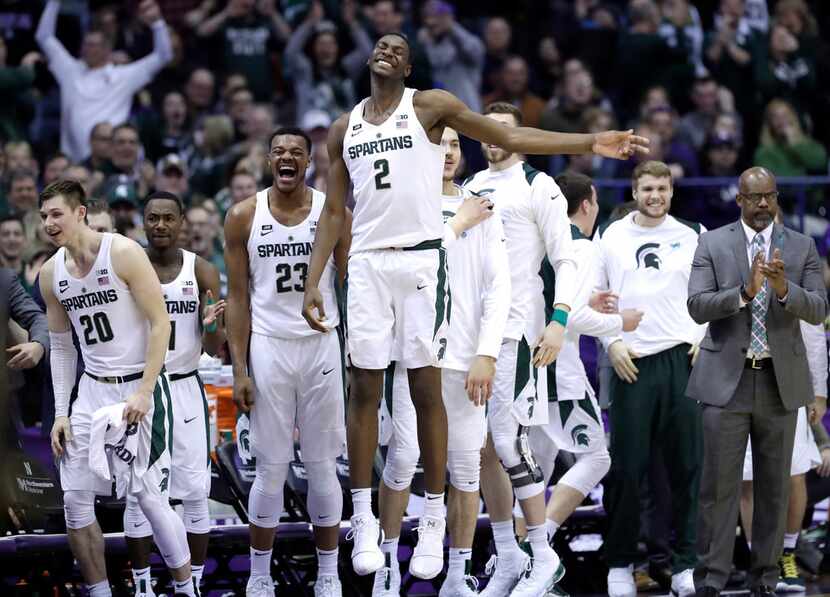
<point x="57" y="156"/>
<point x="21" y="174"/>
<point x="125" y="125"/>
<point x="71" y="191"/>
<point x="652" y="168"/>
<point x="12" y="218"/>
<point x="98" y="126"/>
<point x="576" y="187"/>
<point x="98" y="206"/>
<point x="165" y="195"/>
<point x="293" y="131"/>
<point x="504" y="108"/>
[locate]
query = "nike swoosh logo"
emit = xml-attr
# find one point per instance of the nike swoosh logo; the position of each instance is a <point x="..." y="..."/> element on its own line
<point x="322" y="516"/>
<point x="189" y="420"/>
<point x="329" y="371"/>
<point x="421" y="287"/>
<point x="135" y="526"/>
<point x="257" y="553"/>
<point x="62" y="290"/>
<point x="195" y="521"/>
<point x="260" y="516"/>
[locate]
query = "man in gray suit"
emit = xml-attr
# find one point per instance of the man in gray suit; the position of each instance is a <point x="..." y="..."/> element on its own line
<point x="752" y="281"/>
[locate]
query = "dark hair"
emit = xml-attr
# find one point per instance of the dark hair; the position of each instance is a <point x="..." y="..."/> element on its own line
<point x="19" y="174"/>
<point x="12" y="218"/>
<point x="71" y="191"/>
<point x="405" y="38"/>
<point x="124" y="125"/>
<point x="57" y="156"/>
<point x="97" y="206"/>
<point x="294" y="132"/>
<point x="576" y="187"/>
<point x="504" y="108"/>
<point x="650" y="168"/>
<point x="164" y="195"/>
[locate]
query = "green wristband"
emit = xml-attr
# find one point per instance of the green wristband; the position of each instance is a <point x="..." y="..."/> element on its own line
<point x="560" y="316"/>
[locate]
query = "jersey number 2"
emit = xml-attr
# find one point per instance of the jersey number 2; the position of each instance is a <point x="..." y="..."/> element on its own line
<point x="382" y="168"/>
<point x="284" y="277"/>
<point x="97" y="325"/>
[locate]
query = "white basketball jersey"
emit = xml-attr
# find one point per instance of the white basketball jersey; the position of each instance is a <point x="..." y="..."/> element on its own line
<point x="278" y="259"/>
<point x="182" y="299"/>
<point x="396" y="172"/>
<point x="112" y="331"/>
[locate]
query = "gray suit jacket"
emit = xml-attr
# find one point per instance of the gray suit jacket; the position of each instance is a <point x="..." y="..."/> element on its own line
<point x="720" y="267"/>
<point x="22" y="308"/>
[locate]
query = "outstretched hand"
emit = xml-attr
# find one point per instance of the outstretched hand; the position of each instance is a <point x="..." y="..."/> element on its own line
<point x="619" y="145"/>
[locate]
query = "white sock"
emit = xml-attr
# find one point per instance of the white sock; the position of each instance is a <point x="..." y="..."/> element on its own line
<point x="790" y="539"/>
<point x="459" y="556"/>
<point x="142" y="576"/>
<point x="505" y="538"/>
<point x="184" y="587"/>
<point x="99" y="589"/>
<point x="196" y="572"/>
<point x="261" y="562"/>
<point x="362" y="501"/>
<point x="538" y="538"/>
<point x="434" y="505"/>
<point x="551" y="526"/>
<point x="327" y="562"/>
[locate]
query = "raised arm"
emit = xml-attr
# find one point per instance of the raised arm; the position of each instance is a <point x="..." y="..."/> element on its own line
<point x="470" y="48"/>
<point x="444" y="109"/>
<point x="213" y="329"/>
<point x="61" y="62"/>
<point x="330" y="226"/>
<point x="141" y="72"/>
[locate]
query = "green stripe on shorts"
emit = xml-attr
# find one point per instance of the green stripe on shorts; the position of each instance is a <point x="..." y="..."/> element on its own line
<point x="389" y="385"/>
<point x="157" y="436"/>
<point x="522" y="368"/>
<point x="441" y="295"/>
<point x="207" y="417"/>
<point x="165" y="385"/>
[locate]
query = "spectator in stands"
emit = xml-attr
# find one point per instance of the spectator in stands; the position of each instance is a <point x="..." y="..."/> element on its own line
<point x="12" y="241"/>
<point x="82" y="174"/>
<point x="210" y="156"/>
<point x="32" y="266"/>
<point x="200" y="90"/>
<point x="15" y="86"/>
<point x="498" y="37"/>
<point x="240" y="101"/>
<point x="54" y="167"/>
<point x="681" y="28"/>
<point x="122" y="199"/>
<point x="22" y="199"/>
<point x="795" y="15"/>
<point x="246" y="35"/>
<point x="93" y="89"/>
<point x="19" y="157"/>
<point x="721" y="160"/>
<point x="202" y="233"/>
<point x="456" y="54"/>
<point x="596" y="120"/>
<point x="729" y="53"/>
<point x="786" y="69"/>
<point x="323" y="80"/>
<point x="679" y="155"/>
<point x="100" y="145"/>
<point x="258" y="126"/>
<point x="99" y="217"/>
<point x="785" y="149"/>
<point x="696" y="125"/>
<point x="171" y="176"/>
<point x="566" y="113"/>
<point x="171" y="132"/>
<point x="512" y="87"/>
<point x="127" y="165"/>
<point x="548" y="71"/>
<point x="242" y="186"/>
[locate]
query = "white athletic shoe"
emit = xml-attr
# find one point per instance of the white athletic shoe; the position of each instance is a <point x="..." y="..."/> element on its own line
<point x="328" y="585"/>
<point x="466" y="586"/>
<point x="541" y="574"/>
<point x="388" y="579"/>
<point x="428" y="558"/>
<point x="504" y="572"/>
<point x="367" y="534"/>
<point x="144" y="589"/>
<point x="683" y="583"/>
<point x="260" y="586"/>
<point x="621" y="582"/>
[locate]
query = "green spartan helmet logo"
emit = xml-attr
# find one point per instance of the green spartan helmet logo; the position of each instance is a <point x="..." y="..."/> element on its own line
<point x="165" y="480"/>
<point x="579" y="436"/>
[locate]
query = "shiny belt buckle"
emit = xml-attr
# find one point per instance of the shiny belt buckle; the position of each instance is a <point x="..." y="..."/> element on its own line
<point x="752" y="365"/>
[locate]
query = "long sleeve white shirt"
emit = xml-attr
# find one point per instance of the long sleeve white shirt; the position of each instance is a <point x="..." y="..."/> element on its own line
<point x="479" y="278"/>
<point x="534" y="214"/>
<point x="90" y="96"/>
<point x="816" y="344"/>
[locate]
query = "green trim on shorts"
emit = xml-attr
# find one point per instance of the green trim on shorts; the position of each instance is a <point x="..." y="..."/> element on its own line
<point x="522" y="368"/>
<point x="442" y="302"/>
<point x="435" y="243"/>
<point x="587" y="405"/>
<point x="341" y="340"/>
<point x="207" y="417"/>
<point x="166" y="387"/>
<point x="157" y="439"/>
<point x="389" y="385"/>
<point x="566" y="408"/>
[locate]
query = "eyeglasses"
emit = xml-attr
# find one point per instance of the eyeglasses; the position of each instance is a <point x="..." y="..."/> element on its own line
<point x="755" y="198"/>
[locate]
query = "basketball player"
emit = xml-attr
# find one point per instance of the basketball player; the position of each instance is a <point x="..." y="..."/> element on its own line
<point x="188" y="283"/>
<point x="574" y="422"/>
<point x="104" y="287"/>
<point x="294" y="376"/>
<point x="480" y="282"/>
<point x="389" y="147"/>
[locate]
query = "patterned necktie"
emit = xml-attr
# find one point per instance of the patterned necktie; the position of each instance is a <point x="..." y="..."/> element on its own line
<point x="758" y="342"/>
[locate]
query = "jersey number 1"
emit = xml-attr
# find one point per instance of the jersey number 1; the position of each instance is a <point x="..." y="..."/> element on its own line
<point x="382" y="169"/>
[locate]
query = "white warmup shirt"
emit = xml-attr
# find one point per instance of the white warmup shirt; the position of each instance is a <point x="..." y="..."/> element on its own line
<point x="534" y="214"/>
<point x="181" y="296"/>
<point x="649" y="269"/>
<point x="480" y="285"/>
<point x="113" y="447"/>
<point x="396" y="173"/>
<point x="90" y="96"/>
<point x="567" y="379"/>
<point x="278" y="258"/>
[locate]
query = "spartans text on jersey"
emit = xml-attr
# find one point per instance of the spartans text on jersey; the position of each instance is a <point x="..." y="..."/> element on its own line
<point x="380" y="146"/>
<point x="90" y="299"/>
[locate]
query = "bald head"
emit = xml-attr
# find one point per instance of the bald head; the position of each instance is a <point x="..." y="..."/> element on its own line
<point x="756" y="176"/>
<point x="758" y="198"/>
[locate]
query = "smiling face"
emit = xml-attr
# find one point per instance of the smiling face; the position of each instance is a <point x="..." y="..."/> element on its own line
<point x="289" y="159"/>
<point x="452" y="153"/>
<point x="60" y="220"/>
<point x="12" y="237"/>
<point x="162" y="223"/>
<point x="653" y="195"/>
<point x="390" y="58"/>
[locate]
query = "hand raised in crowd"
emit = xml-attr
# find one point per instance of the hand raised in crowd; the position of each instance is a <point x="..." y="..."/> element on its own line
<point x="316" y="13"/>
<point x="149" y="12"/>
<point x="621" y="357"/>
<point x="773" y="271"/>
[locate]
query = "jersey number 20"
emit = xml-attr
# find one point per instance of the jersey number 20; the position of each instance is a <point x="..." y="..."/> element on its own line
<point x="96" y="328"/>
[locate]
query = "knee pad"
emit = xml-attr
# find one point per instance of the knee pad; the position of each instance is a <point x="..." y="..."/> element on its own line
<point x="544" y="451"/>
<point x="266" y="499"/>
<point x="465" y="469"/>
<point x="400" y="466"/>
<point x="196" y="516"/>
<point x="78" y="508"/>
<point x="136" y="525"/>
<point x="325" y="497"/>
<point x="517" y="460"/>
<point x="588" y="470"/>
<point x="168" y="529"/>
